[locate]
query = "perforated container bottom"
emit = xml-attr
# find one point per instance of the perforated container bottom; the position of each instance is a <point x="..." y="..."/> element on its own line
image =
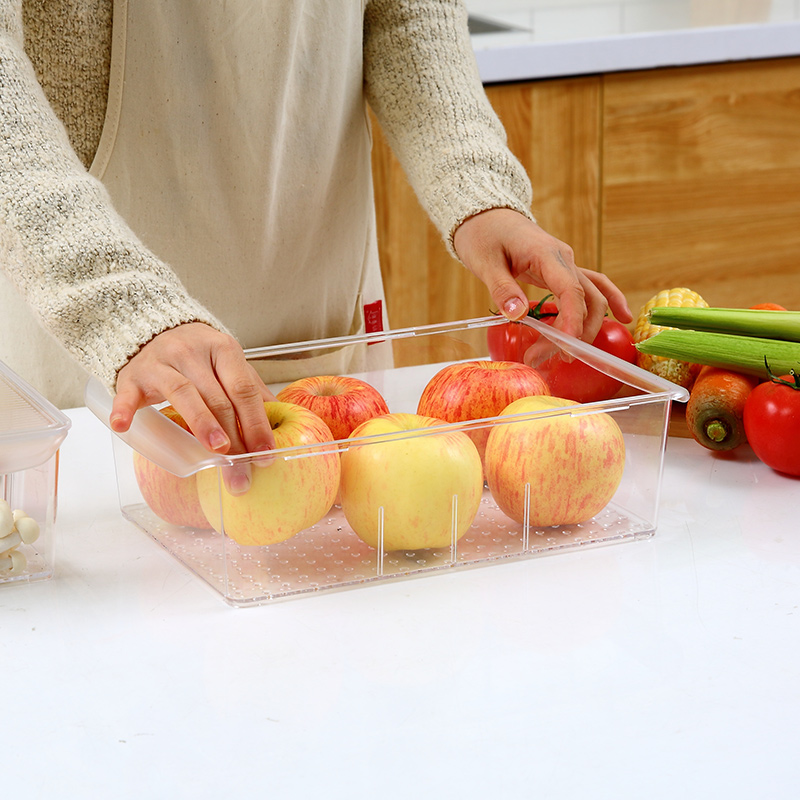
<point x="329" y="556"/>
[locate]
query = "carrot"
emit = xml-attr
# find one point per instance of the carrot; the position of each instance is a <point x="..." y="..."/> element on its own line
<point x="716" y="405"/>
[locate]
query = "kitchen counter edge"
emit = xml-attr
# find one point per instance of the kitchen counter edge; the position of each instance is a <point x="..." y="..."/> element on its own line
<point x="532" y="61"/>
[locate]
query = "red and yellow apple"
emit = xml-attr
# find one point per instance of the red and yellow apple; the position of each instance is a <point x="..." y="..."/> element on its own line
<point x="342" y="401"/>
<point x="171" y="498"/>
<point x="422" y="487"/>
<point x="286" y="495"/>
<point x="470" y="390"/>
<point x="573" y="464"/>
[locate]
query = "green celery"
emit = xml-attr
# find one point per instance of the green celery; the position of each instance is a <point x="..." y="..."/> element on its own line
<point x="783" y="325"/>
<point x="729" y="351"/>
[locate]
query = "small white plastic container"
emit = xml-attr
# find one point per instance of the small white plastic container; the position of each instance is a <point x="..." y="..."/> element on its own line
<point x="31" y="431"/>
<point x="328" y="554"/>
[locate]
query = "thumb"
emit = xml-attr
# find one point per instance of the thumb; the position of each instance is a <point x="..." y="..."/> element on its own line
<point x="122" y="412"/>
<point x="508" y="297"/>
<point x="480" y="246"/>
<point x="125" y="404"/>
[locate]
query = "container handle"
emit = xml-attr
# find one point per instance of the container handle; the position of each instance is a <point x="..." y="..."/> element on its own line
<point x="154" y="436"/>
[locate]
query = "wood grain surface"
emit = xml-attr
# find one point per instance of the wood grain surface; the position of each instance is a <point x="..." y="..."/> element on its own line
<point x="701" y="182"/>
<point x="660" y="178"/>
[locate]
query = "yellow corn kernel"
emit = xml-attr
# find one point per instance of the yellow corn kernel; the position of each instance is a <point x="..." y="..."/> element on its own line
<point x="681" y="372"/>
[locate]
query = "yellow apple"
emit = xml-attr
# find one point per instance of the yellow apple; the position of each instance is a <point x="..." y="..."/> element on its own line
<point x="476" y="390"/>
<point x="573" y="464"/>
<point x="342" y="401"/>
<point x="286" y="496"/>
<point x="171" y="498"/>
<point x="407" y="480"/>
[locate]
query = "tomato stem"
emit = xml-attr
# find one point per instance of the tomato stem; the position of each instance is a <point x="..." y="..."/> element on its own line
<point x="792" y="384"/>
<point x="536" y="311"/>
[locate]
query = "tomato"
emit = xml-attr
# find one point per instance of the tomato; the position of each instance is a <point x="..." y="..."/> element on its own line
<point x="772" y="423"/>
<point x="574" y="380"/>
<point x="511" y="341"/>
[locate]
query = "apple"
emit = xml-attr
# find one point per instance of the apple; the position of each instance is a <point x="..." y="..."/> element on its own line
<point x="478" y="389"/>
<point x="573" y="464"/>
<point x="408" y="479"/>
<point x="171" y="498"/>
<point x="343" y="402"/>
<point x="286" y="495"/>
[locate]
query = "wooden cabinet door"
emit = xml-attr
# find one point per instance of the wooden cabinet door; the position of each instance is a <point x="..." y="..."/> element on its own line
<point x="701" y="182"/>
<point x="671" y="177"/>
<point x="553" y="127"/>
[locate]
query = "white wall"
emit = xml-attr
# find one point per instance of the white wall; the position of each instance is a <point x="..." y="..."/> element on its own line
<point x="560" y="20"/>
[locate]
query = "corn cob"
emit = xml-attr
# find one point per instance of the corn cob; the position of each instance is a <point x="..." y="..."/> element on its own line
<point x="681" y="372"/>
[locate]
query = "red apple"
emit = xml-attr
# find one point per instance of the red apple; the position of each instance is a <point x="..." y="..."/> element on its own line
<point x="408" y="481"/>
<point x="287" y="495"/>
<point x="573" y="464"/>
<point x="342" y="402"/>
<point x="476" y="390"/>
<point x="171" y="498"/>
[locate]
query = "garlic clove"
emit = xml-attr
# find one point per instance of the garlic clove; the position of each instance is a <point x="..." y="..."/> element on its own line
<point x="13" y="562"/>
<point x="28" y="529"/>
<point x="8" y="543"/>
<point x="6" y="519"/>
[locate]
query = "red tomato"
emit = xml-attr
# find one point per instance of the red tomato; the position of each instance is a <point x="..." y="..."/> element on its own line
<point x="574" y="380"/>
<point x="772" y="423"/>
<point x="511" y="341"/>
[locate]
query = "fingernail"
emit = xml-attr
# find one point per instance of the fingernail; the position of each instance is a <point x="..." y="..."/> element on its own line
<point x="264" y="460"/>
<point x="240" y="483"/>
<point x="218" y="440"/>
<point x="513" y="307"/>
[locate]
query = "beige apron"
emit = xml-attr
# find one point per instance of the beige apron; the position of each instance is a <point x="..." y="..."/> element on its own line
<point x="237" y="146"/>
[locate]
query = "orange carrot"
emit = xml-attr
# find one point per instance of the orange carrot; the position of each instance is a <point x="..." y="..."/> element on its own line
<point x="716" y="405"/>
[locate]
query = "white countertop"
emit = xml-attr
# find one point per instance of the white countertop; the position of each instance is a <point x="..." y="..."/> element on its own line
<point x="663" y="668"/>
<point x="554" y="38"/>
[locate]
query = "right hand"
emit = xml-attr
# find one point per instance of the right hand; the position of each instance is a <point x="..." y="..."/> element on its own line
<point x="203" y="373"/>
<point x="503" y="248"/>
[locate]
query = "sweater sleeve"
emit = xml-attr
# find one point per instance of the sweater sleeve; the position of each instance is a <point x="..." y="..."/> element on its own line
<point x="86" y="276"/>
<point x="422" y="82"/>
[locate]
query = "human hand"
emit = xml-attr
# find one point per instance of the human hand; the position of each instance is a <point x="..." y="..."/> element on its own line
<point x="501" y="247"/>
<point x="203" y="373"/>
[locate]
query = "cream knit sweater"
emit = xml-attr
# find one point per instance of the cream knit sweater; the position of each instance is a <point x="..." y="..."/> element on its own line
<point x="90" y="281"/>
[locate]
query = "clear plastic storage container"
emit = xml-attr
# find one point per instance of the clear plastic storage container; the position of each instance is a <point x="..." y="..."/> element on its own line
<point x="388" y="505"/>
<point x="31" y="431"/>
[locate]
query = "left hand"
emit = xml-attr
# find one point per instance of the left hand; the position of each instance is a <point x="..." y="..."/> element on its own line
<point x="502" y="247"/>
<point x="204" y="375"/>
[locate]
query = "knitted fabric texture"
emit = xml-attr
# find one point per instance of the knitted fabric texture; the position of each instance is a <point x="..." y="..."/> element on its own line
<point x="69" y="44"/>
<point x="89" y="279"/>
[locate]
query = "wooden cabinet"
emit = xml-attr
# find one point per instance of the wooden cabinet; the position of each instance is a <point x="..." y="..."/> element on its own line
<point x="701" y="181"/>
<point x="553" y="127"/>
<point x="659" y="178"/>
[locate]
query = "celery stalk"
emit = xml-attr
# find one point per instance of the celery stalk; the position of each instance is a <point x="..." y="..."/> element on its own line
<point x="740" y="321"/>
<point x="728" y="351"/>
